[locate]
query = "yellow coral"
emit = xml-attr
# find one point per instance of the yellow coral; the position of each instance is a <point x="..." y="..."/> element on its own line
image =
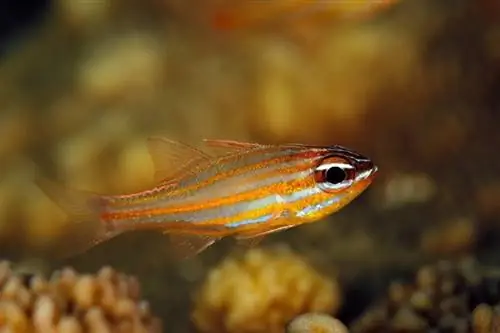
<point x="262" y="292"/>
<point x="73" y="303"/>
<point x="316" y="323"/>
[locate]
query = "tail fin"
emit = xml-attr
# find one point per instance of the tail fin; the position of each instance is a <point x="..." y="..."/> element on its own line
<point x="85" y="228"/>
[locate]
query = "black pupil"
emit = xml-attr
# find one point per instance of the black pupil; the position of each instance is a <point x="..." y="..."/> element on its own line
<point x="335" y="175"/>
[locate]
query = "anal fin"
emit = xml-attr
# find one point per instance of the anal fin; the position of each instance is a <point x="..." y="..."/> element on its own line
<point x="185" y="246"/>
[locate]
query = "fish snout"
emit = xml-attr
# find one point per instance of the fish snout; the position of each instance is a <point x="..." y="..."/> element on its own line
<point x="366" y="170"/>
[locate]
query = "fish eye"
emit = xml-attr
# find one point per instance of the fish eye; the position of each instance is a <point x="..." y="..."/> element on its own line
<point x="334" y="173"/>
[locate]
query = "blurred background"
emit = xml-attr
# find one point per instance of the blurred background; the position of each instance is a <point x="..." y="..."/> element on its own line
<point x="414" y="84"/>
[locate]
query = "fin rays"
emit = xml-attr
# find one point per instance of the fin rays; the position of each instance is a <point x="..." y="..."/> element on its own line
<point x="171" y="157"/>
<point x="185" y="246"/>
<point x="85" y="228"/>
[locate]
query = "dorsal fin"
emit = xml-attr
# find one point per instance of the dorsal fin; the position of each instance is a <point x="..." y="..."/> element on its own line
<point x="231" y="146"/>
<point x="170" y="156"/>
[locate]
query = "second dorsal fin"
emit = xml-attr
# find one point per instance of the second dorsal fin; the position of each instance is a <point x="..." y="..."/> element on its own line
<point x="170" y="156"/>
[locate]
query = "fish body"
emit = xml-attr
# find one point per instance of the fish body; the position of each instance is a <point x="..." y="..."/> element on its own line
<point x="245" y="190"/>
<point x="257" y="13"/>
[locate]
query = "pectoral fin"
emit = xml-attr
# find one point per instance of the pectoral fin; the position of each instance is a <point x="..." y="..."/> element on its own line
<point x="249" y="242"/>
<point x="252" y="239"/>
<point x="185" y="246"/>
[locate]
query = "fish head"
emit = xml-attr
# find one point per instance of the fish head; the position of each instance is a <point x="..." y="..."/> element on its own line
<point x="337" y="176"/>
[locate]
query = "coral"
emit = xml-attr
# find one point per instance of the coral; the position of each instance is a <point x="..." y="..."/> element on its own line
<point x="71" y="303"/>
<point x="446" y="297"/>
<point x="262" y="292"/>
<point x="315" y="323"/>
<point x="485" y="319"/>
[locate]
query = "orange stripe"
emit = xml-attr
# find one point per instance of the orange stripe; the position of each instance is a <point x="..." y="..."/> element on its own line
<point x="220" y="176"/>
<point x="270" y="209"/>
<point x="200" y="228"/>
<point x="241" y="170"/>
<point x="232" y="199"/>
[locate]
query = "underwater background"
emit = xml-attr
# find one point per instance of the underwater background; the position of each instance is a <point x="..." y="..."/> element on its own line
<point x="415" y="87"/>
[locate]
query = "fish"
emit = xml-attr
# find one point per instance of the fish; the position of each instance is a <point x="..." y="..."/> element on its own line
<point x="250" y="14"/>
<point x="233" y="189"/>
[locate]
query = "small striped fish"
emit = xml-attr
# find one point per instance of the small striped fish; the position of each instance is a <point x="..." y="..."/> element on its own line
<point x="243" y="190"/>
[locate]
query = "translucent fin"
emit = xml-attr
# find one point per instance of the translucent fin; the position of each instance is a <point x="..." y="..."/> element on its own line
<point x="232" y="144"/>
<point x="170" y="157"/>
<point x="84" y="228"/>
<point x="251" y="239"/>
<point x="185" y="246"/>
